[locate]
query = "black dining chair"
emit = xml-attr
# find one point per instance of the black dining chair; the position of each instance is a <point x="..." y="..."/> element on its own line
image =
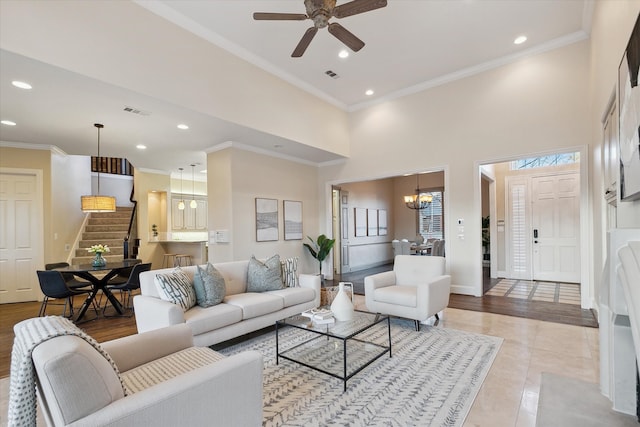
<point x="71" y="280"/>
<point x="54" y="285"/>
<point x="130" y="285"/>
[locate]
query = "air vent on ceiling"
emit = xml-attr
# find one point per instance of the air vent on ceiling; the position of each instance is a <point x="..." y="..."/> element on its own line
<point x="332" y="74"/>
<point x="136" y="111"/>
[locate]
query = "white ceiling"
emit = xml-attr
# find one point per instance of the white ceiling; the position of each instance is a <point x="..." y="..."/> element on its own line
<point x="410" y="45"/>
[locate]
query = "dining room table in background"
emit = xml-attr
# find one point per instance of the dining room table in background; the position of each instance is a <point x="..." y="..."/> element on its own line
<point x="99" y="282"/>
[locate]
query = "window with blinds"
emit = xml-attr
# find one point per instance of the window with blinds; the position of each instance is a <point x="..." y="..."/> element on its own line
<point x="430" y="220"/>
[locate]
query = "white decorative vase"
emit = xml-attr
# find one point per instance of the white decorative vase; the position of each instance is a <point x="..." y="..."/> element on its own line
<point x="341" y="307"/>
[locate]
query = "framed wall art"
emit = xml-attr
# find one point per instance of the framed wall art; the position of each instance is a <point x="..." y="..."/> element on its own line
<point x="292" y="220"/>
<point x="266" y="220"/>
<point x="382" y="222"/>
<point x="360" y="220"/>
<point x="629" y="108"/>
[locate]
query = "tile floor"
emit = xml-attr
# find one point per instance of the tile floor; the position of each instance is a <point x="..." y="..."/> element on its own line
<point x="509" y="395"/>
<point x="564" y="293"/>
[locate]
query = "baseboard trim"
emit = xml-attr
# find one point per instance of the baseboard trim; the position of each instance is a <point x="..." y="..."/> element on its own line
<point x="464" y="290"/>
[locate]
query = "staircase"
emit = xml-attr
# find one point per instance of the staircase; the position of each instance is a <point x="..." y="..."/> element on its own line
<point x="109" y="228"/>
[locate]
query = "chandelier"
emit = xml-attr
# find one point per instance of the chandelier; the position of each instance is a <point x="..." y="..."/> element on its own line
<point x="418" y="200"/>
<point x="98" y="203"/>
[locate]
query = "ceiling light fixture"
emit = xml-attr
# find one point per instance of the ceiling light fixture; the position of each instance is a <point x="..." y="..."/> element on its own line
<point x="141" y="147"/>
<point x="98" y="203"/>
<point x="8" y="122"/>
<point x="343" y="54"/>
<point x="181" y="202"/>
<point x="193" y="203"/>
<point x="520" y="39"/>
<point x="369" y="92"/>
<point x="21" y="85"/>
<point x="418" y="201"/>
<point x="183" y="126"/>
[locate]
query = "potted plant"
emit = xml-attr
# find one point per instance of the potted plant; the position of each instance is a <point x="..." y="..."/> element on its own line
<point x="320" y="248"/>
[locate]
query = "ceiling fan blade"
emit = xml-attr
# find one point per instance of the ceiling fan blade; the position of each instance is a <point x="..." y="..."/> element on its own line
<point x="304" y="42"/>
<point x="346" y="37"/>
<point x="357" y="6"/>
<point x="266" y="16"/>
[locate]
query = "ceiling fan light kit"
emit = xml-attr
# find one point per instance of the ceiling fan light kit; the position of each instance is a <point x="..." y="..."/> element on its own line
<point x="320" y="12"/>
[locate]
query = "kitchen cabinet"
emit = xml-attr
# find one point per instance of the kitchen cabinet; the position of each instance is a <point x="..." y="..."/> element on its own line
<point x="189" y="218"/>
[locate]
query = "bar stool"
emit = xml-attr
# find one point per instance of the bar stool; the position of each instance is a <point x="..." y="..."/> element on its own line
<point x="182" y="260"/>
<point x="169" y="260"/>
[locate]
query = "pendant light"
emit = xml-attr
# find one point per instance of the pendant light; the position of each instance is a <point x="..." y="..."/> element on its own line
<point x="193" y="203"/>
<point x="181" y="202"/>
<point x="418" y="201"/>
<point x="98" y="203"/>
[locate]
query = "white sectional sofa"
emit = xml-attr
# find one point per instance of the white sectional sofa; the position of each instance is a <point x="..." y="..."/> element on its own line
<point x="240" y="312"/>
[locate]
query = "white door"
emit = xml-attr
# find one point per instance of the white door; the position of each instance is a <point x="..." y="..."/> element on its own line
<point x="21" y="236"/>
<point x="555" y="224"/>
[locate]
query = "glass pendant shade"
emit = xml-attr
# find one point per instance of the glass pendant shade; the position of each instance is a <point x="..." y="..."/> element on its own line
<point x="181" y="205"/>
<point x="193" y="204"/>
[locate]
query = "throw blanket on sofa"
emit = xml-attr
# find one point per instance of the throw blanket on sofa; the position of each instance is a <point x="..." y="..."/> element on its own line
<point x="22" y="394"/>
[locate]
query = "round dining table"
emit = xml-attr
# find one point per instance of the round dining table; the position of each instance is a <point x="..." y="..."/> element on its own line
<point x="100" y="282"/>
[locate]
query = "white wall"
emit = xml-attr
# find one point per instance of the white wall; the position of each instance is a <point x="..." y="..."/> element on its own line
<point x="118" y="186"/>
<point x="611" y="28"/>
<point x="69" y="181"/>
<point x="535" y="105"/>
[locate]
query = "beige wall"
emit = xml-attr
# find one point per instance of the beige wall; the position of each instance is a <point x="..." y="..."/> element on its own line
<point x="236" y="178"/>
<point x="496" y="114"/>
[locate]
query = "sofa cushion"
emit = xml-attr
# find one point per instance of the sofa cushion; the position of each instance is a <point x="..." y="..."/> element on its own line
<point x="209" y="286"/>
<point x="294" y="296"/>
<point x="290" y="272"/>
<point x="397" y="295"/>
<point x="255" y="304"/>
<point x="176" y="287"/>
<point x="167" y="367"/>
<point x="265" y="276"/>
<point x="203" y="320"/>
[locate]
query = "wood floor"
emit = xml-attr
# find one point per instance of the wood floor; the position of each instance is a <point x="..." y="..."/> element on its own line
<point x="105" y="329"/>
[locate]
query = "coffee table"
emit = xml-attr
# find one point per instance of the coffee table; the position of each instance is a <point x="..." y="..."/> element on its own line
<point x="340" y="349"/>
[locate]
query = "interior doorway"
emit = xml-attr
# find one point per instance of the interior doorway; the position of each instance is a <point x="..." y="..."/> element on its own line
<point x="534" y="224"/>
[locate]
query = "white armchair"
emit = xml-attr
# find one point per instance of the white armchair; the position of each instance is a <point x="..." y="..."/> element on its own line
<point x="417" y="288"/>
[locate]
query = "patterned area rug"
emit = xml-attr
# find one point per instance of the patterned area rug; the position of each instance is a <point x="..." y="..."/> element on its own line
<point x="431" y="380"/>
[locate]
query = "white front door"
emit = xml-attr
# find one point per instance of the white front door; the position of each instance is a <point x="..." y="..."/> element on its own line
<point x="555" y="224"/>
<point x="21" y="235"/>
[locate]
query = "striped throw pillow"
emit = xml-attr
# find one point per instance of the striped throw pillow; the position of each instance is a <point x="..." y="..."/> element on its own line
<point x="290" y="272"/>
<point x="176" y="287"/>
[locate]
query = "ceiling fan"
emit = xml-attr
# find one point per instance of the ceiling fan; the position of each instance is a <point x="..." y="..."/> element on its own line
<point x="320" y="11"/>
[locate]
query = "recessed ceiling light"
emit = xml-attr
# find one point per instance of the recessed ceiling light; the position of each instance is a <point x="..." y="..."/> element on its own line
<point x="369" y="92"/>
<point x="8" y="122"/>
<point x="183" y="126"/>
<point x="141" y="147"/>
<point x="343" y="54"/>
<point x="520" y="39"/>
<point x="21" y="85"/>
